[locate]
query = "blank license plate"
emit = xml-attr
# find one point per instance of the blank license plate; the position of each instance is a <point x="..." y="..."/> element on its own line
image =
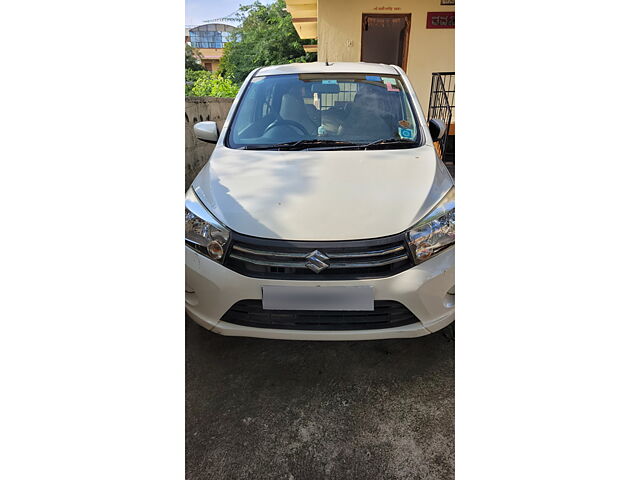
<point x="317" y="298"/>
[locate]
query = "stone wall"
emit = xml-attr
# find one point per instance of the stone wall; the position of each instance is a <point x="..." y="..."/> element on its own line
<point x="197" y="152"/>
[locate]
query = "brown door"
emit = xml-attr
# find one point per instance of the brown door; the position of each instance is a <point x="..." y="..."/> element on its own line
<point x="385" y="38"/>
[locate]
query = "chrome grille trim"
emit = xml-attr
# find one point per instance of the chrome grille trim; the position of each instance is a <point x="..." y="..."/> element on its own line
<point x="372" y="263"/>
<point x="269" y="254"/>
<point x="372" y="253"/>
<point x="267" y="263"/>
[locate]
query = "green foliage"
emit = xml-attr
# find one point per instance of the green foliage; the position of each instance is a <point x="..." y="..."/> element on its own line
<point x="266" y="37"/>
<point x="195" y="75"/>
<point x="207" y="84"/>
<point x="192" y="58"/>
<point x="191" y="77"/>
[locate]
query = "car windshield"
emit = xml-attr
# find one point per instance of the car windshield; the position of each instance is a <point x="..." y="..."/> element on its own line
<point x="324" y="111"/>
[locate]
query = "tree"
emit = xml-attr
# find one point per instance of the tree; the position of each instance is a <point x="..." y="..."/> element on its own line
<point x="192" y="58"/>
<point x="266" y="36"/>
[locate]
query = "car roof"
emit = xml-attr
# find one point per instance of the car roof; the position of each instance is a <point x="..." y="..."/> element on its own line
<point x="331" y="67"/>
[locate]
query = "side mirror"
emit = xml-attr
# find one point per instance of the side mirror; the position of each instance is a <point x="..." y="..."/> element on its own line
<point x="437" y="129"/>
<point x="206" y="131"/>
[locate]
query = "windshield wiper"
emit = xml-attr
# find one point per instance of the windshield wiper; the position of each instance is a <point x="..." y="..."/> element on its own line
<point x="388" y="141"/>
<point x="332" y="144"/>
<point x="381" y="141"/>
<point x="299" y="144"/>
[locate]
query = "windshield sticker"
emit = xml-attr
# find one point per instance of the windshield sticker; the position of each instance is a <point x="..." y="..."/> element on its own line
<point x="392" y="81"/>
<point x="322" y="130"/>
<point x="405" y="132"/>
<point x="404" y="124"/>
<point x="373" y="78"/>
<point x="390" y="88"/>
<point x="329" y="82"/>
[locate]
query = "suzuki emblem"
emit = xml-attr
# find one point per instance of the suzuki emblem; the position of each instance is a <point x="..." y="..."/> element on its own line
<point x="316" y="261"/>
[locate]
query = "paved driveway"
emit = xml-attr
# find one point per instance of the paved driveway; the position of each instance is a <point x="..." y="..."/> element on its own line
<point x="263" y="409"/>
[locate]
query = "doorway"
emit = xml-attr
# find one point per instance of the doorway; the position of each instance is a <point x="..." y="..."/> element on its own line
<point x="385" y="38"/>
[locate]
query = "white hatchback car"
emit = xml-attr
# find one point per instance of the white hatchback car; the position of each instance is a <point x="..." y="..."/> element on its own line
<point x="324" y="212"/>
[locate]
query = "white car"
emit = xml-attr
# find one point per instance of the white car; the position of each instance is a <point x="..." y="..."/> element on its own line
<point x="324" y="212"/>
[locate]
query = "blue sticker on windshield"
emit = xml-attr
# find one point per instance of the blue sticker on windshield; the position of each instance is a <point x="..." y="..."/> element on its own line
<point x="405" y="132"/>
<point x="329" y="82"/>
<point x="373" y="78"/>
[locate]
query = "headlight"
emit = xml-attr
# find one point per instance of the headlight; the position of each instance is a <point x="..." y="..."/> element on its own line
<point x="436" y="231"/>
<point x="202" y="231"/>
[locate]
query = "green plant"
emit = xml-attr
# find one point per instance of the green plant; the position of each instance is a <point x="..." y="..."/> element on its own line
<point x="191" y="77"/>
<point x="194" y="75"/>
<point x="208" y="84"/>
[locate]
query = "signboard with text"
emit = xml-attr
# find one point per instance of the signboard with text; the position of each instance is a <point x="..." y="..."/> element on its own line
<point x="441" y="20"/>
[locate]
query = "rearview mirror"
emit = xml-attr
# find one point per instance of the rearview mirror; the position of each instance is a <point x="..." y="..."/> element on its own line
<point x="206" y="131"/>
<point x="325" y="87"/>
<point x="437" y="129"/>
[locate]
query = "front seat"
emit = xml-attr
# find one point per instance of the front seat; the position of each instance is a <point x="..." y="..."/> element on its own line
<point x="293" y="108"/>
<point x="368" y="117"/>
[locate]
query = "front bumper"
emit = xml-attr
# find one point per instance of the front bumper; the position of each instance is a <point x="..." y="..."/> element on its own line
<point x="212" y="289"/>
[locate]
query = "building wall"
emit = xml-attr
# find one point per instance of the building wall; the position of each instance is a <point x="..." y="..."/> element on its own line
<point x="212" y="56"/>
<point x="430" y="50"/>
<point x="209" y="40"/>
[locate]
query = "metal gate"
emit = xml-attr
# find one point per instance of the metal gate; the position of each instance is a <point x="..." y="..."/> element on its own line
<point x="442" y="107"/>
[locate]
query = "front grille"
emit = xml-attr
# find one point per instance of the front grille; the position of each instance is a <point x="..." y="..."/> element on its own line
<point x="386" y="314"/>
<point x="333" y="260"/>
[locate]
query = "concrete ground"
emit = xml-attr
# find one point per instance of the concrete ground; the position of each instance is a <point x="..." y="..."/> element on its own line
<point x="270" y="409"/>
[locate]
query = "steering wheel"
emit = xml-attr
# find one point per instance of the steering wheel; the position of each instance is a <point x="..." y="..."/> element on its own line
<point x="282" y="121"/>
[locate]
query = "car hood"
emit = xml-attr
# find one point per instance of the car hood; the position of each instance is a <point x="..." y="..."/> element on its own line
<point x="321" y="195"/>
